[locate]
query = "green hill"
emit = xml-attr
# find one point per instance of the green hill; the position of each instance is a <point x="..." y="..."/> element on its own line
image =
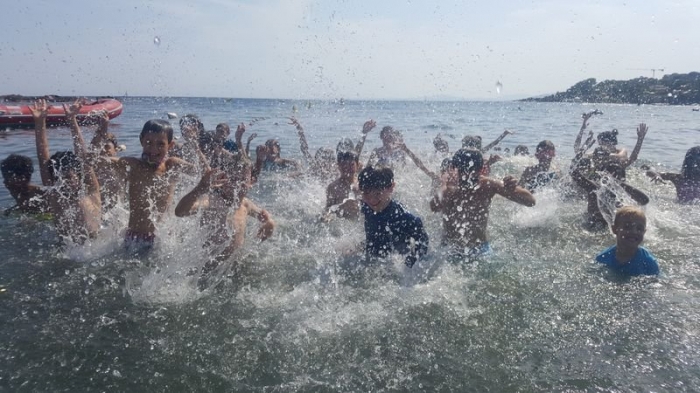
<point x="673" y="89"/>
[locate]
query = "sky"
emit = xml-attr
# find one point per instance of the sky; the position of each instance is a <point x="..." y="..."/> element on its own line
<point x="352" y="49"/>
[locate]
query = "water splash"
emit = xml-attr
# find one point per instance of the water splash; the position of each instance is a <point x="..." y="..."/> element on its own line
<point x="156" y="41"/>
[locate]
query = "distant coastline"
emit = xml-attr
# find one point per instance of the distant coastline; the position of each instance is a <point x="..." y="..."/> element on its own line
<point x="672" y="89"/>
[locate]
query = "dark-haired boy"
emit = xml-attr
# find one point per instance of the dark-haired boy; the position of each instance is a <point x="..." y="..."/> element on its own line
<point x="388" y="226"/>
<point x="338" y="198"/>
<point x="539" y="175"/>
<point x="151" y="180"/>
<point x="465" y="205"/>
<point x="17" y="176"/>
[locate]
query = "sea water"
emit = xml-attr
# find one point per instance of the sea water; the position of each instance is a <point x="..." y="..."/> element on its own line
<point x="299" y="315"/>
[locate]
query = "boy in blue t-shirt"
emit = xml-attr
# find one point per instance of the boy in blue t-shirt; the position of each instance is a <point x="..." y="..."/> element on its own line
<point x="627" y="257"/>
<point x="388" y="226"/>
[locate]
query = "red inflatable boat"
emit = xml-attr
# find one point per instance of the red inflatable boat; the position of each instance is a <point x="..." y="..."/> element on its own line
<point x="19" y="114"/>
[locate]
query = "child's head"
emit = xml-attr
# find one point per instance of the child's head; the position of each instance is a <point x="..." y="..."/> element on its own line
<point x="190" y="120"/>
<point x="441" y="144"/>
<point x="273" y="147"/>
<point x="222" y="132"/>
<point x="17" y="171"/>
<point x="66" y="166"/>
<point x="348" y="162"/>
<point x="111" y="146"/>
<point x="468" y="163"/>
<point x="522" y="150"/>
<point x="344" y="145"/>
<point x="390" y="136"/>
<point x="691" y="164"/>
<point x="608" y="138"/>
<point x="471" y="142"/>
<point x="629" y="226"/>
<point x="156" y="139"/>
<point x="545" y="151"/>
<point x="377" y="186"/>
<point x="238" y="171"/>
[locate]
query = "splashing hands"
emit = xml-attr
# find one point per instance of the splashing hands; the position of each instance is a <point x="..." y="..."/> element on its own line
<point x="368" y="126"/>
<point x="39" y="109"/>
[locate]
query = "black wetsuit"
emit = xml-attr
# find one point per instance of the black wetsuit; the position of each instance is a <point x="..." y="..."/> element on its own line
<point x="394" y="230"/>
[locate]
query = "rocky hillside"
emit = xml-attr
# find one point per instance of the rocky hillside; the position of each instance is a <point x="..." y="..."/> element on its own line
<point x="673" y="89"/>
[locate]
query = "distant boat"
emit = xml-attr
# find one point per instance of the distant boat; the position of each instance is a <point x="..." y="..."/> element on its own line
<point x="171" y="115"/>
<point x="20" y="115"/>
<point x="696" y="109"/>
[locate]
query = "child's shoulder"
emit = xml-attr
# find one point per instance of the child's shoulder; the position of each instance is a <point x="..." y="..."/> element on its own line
<point x="607" y="256"/>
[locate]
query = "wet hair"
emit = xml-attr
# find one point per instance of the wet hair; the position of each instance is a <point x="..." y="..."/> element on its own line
<point x="691" y="162"/>
<point x="272" y="142"/>
<point x="62" y="162"/>
<point x="386" y="131"/>
<point x="544" y="146"/>
<point x="17" y="165"/>
<point x="344" y="145"/>
<point x="445" y="164"/>
<point x="223" y="127"/>
<point x="191" y="119"/>
<point x="440" y="144"/>
<point x="628" y="212"/>
<point x="468" y="161"/>
<point x="608" y="137"/>
<point x="347" y="156"/>
<point x="471" y="142"/>
<point x="522" y="150"/>
<point x="371" y="178"/>
<point x="111" y="138"/>
<point x="157" y="126"/>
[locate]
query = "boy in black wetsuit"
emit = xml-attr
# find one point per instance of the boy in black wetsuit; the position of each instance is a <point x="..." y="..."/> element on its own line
<point x="388" y="226"/>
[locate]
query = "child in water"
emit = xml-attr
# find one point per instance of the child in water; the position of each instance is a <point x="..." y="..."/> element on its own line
<point x="17" y="176"/>
<point x="221" y="196"/>
<point x="74" y="196"/>
<point x="539" y="175"/>
<point x="338" y="200"/>
<point x="388" y="226"/>
<point x="687" y="182"/>
<point x="151" y="180"/>
<point x="465" y="206"/>
<point x="626" y="256"/>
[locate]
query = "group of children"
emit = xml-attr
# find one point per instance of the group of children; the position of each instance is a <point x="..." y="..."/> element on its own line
<point x="82" y="184"/>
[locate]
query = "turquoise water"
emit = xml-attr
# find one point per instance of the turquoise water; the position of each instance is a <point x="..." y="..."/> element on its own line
<point x="537" y="316"/>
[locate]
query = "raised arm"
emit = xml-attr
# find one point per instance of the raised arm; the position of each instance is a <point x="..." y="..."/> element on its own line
<point x="418" y="162"/>
<point x="192" y="201"/>
<point x="304" y="145"/>
<point x="510" y="190"/>
<point x="641" y="133"/>
<point x="100" y="138"/>
<point x="366" y="128"/>
<point x="39" y="112"/>
<point x="247" y="145"/>
<point x="577" y="142"/>
<point x="191" y="137"/>
<point x="89" y="177"/>
<point x="497" y="141"/>
<point x="261" y="154"/>
<point x="240" y="130"/>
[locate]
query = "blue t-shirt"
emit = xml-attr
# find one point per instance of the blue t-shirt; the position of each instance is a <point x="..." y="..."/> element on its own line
<point x="643" y="263"/>
<point x="391" y="230"/>
<point x="230" y="146"/>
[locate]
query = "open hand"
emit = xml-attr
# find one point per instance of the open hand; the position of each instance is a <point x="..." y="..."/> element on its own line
<point x="252" y="136"/>
<point x="39" y="109"/>
<point x="368" y="126"/>
<point x="240" y="130"/>
<point x="642" y="130"/>
<point x="73" y="109"/>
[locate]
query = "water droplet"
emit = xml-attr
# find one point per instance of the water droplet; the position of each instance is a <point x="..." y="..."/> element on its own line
<point x="156" y="40"/>
<point x="499" y="86"/>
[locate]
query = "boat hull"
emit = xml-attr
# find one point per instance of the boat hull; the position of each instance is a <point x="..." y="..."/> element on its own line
<point x="20" y="115"/>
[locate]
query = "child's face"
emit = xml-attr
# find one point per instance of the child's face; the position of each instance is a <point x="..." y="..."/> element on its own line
<point x="15" y="182"/>
<point x="109" y="149"/>
<point x="155" y="147"/>
<point x="545" y="155"/>
<point x="379" y="199"/>
<point x="347" y="167"/>
<point x="629" y="230"/>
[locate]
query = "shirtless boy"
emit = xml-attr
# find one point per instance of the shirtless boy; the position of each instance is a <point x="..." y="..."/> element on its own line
<point x="17" y="176"/>
<point x="539" y="175"/>
<point x="465" y="206"/>
<point x="338" y="193"/>
<point x="151" y="179"/>
<point x="221" y="196"/>
<point x="74" y="196"/>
